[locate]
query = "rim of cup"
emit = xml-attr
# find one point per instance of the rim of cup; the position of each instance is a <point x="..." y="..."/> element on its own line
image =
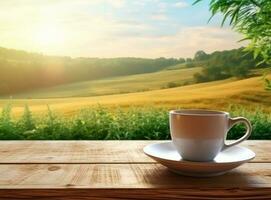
<point x="198" y="112"/>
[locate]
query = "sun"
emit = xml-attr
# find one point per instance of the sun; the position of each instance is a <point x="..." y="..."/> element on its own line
<point x="50" y="35"/>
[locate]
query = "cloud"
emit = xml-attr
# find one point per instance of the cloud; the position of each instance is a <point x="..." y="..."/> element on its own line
<point x="190" y="39"/>
<point x="184" y="43"/>
<point x="116" y="3"/>
<point x="87" y="31"/>
<point x="159" y="17"/>
<point x="162" y="4"/>
<point x="139" y="3"/>
<point x="181" y="4"/>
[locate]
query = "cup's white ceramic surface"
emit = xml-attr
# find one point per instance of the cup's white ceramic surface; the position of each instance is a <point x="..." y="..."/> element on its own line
<point x="199" y="135"/>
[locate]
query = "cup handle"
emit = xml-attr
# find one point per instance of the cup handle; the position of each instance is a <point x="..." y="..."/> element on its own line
<point x="234" y="121"/>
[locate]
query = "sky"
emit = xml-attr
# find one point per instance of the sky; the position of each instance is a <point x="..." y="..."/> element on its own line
<point x="113" y="28"/>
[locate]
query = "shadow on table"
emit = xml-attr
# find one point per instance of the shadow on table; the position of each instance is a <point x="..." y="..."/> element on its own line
<point x="162" y="176"/>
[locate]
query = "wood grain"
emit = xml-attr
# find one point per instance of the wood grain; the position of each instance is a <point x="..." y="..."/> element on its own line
<point x="119" y="169"/>
<point x="108" y="176"/>
<point x="129" y="181"/>
<point x="95" y="151"/>
<point x="132" y="194"/>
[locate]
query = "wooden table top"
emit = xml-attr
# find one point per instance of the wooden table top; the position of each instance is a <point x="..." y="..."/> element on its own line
<point x="119" y="169"/>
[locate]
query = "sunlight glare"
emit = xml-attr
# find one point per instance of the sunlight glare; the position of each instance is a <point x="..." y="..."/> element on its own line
<point x="50" y="35"/>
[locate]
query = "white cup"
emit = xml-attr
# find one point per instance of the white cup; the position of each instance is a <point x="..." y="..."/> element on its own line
<point x="199" y="135"/>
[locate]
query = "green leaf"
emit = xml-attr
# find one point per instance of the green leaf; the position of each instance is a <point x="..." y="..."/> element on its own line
<point x="197" y="1"/>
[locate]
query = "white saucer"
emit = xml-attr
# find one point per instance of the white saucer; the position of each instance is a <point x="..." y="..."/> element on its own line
<point x="166" y="154"/>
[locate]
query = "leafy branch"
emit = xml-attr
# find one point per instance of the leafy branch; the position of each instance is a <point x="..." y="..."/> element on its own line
<point x="252" y="18"/>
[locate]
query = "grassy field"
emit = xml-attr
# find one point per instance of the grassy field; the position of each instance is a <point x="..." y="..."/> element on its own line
<point x="118" y="85"/>
<point x="248" y="93"/>
<point x="138" y="115"/>
<point x="101" y="123"/>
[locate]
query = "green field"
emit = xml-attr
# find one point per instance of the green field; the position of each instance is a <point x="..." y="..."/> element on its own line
<point x="248" y="93"/>
<point x="98" y="109"/>
<point x="117" y="85"/>
<point x="168" y="83"/>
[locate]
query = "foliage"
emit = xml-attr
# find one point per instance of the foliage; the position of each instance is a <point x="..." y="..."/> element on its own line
<point x="268" y="84"/>
<point x="26" y="123"/>
<point x="225" y="64"/>
<point x="101" y="123"/>
<point x="200" y="55"/>
<point x="7" y="126"/>
<point x="190" y="64"/>
<point x="251" y="18"/>
<point x="172" y="85"/>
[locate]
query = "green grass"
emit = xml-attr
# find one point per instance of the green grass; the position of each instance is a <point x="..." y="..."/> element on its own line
<point x="178" y="66"/>
<point x="117" y="85"/>
<point x="102" y="123"/>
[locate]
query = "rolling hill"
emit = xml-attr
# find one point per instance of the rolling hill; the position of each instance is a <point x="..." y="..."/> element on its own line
<point x="22" y="71"/>
<point x="69" y="84"/>
<point x="247" y="93"/>
<point x="117" y="85"/>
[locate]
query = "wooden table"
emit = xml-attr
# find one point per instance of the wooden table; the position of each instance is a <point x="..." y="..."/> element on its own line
<point x="119" y="169"/>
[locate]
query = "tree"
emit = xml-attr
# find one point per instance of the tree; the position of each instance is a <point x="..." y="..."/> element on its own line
<point x="200" y="55"/>
<point x="242" y="70"/>
<point x="251" y="18"/>
<point x="181" y="60"/>
<point x="225" y="64"/>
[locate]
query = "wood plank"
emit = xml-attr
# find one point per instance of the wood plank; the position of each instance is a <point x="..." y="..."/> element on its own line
<point x="132" y="194"/>
<point x="129" y="181"/>
<point x="95" y="151"/>
<point x="104" y="176"/>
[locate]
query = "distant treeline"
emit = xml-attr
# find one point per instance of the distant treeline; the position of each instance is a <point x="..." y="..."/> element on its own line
<point x="21" y="71"/>
<point x="224" y="64"/>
